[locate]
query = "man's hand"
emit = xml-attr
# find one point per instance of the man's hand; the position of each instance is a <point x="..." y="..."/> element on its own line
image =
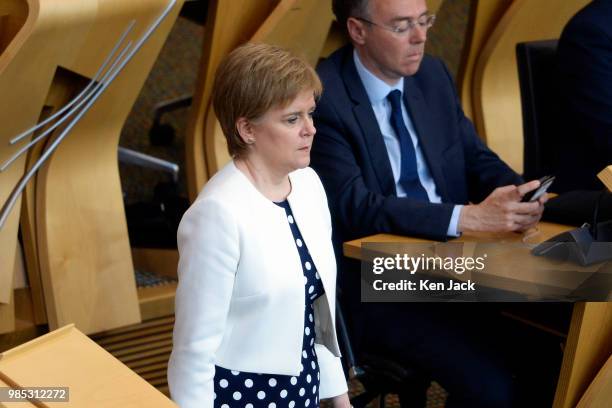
<point x="503" y="211"/>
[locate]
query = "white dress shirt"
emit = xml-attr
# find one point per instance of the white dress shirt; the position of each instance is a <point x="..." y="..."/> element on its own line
<point x="377" y="91"/>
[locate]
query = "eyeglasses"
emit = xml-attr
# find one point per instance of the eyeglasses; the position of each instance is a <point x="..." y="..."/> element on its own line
<point x="404" y="27"/>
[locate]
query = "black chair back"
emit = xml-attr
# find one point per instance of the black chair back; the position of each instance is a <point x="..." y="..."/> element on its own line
<point x="536" y="62"/>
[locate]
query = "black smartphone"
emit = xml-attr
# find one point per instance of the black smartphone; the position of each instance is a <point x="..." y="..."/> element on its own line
<point x="533" y="195"/>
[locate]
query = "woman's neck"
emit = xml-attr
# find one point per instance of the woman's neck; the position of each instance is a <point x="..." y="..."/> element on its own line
<point x="274" y="185"/>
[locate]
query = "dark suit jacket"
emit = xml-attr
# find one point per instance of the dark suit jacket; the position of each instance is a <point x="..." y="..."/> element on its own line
<point x="585" y="82"/>
<point x="350" y="156"/>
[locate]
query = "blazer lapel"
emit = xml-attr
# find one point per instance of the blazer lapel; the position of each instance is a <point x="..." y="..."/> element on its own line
<point x="373" y="139"/>
<point x="432" y="145"/>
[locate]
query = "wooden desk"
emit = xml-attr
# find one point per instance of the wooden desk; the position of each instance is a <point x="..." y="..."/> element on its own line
<point x="589" y="342"/>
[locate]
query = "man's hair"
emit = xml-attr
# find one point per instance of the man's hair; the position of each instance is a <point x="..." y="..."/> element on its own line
<point x="343" y="9"/>
<point x="253" y="79"/>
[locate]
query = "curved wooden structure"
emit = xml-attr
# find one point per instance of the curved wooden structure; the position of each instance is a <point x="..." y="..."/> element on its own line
<point x="484" y="15"/>
<point x="79" y="222"/>
<point x="589" y="345"/>
<point x="496" y="93"/>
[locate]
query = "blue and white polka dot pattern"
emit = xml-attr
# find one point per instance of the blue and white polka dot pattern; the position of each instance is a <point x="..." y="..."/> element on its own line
<point x="240" y="389"/>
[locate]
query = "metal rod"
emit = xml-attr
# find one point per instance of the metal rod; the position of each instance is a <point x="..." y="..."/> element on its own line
<point x="133" y="157"/>
<point x="51" y="128"/>
<point x="18" y="189"/>
<point x="76" y="98"/>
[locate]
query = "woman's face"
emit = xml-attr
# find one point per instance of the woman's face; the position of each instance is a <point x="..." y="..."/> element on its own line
<point x="283" y="136"/>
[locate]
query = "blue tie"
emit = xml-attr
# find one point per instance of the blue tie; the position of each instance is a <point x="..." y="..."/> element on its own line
<point x="409" y="177"/>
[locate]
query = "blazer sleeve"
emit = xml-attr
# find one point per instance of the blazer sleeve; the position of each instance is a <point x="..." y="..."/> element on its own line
<point x="357" y="207"/>
<point x="208" y="250"/>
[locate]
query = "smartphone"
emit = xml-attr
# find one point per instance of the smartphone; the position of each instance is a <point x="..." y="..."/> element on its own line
<point x="533" y="195"/>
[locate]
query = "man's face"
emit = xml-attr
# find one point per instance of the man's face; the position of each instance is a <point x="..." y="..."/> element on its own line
<point x="391" y="55"/>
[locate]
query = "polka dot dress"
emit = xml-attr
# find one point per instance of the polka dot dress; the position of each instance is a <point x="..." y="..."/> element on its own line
<point x="235" y="389"/>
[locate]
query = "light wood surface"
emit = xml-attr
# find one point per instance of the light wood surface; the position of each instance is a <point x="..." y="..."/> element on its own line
<point x="20" y="404"/>
<point x="496" y="93"/>
<point x="599" y="393"/>
<point x="61" y="91"/>
<point x="589" y="345"/>
<point x="95" y="378"/>
<point x="157" y="301"/>
<point x="229" y="24"/>
<point x="336" y="38"/>
<point x="14" y="117"/>
<point x="299" y="25"/>
<point x="484" y="15"/>
<point x="352" y="249"/>
<point x="589" y="341"/>
<point x="81" y="234"/>
<point x="606" y="177"/>
<point x="7" y="310"/>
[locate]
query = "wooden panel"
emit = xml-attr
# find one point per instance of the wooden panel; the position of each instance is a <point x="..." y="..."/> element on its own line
<point x="599" y="393"/>
<point x="157" y="301"/>
<point x="546" y="230"/>
<point x="7" y="316"/>
<point x="336" y="38"/>
<point x="21" y="404"/>
<point x="82" y="239"/>
<point x="13" y="14"/>
<point x="158" y="261"/>
<point x="24" y="314"/>
<point x="18" y="109"/>
<point x="94" y="377"/>
<point x="589" y="345"/>
<point x="229" y="24"/>
<point x="497" y="107"/>
<point x="484" y="15"/>
<point x="84" y="251"/>
<point x="299" y="25"/>
<point x="606" y="177"/>
<point x="63" y="87"/>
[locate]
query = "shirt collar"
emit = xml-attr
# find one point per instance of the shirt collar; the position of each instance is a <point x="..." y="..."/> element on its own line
<point x="376" y="88"/>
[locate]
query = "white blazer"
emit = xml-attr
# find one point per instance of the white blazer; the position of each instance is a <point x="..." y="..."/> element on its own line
<point x="240" y="298"/>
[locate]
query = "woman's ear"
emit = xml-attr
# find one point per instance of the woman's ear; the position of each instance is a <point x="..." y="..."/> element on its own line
<point x="245" y="130"/>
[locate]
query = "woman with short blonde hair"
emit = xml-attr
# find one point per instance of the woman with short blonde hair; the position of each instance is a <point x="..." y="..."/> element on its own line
<point x="255" y="304"/>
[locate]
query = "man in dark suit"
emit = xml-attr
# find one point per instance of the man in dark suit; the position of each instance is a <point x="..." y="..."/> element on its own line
<point x="397" y="155"/>
<point x="584" y="60"/>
